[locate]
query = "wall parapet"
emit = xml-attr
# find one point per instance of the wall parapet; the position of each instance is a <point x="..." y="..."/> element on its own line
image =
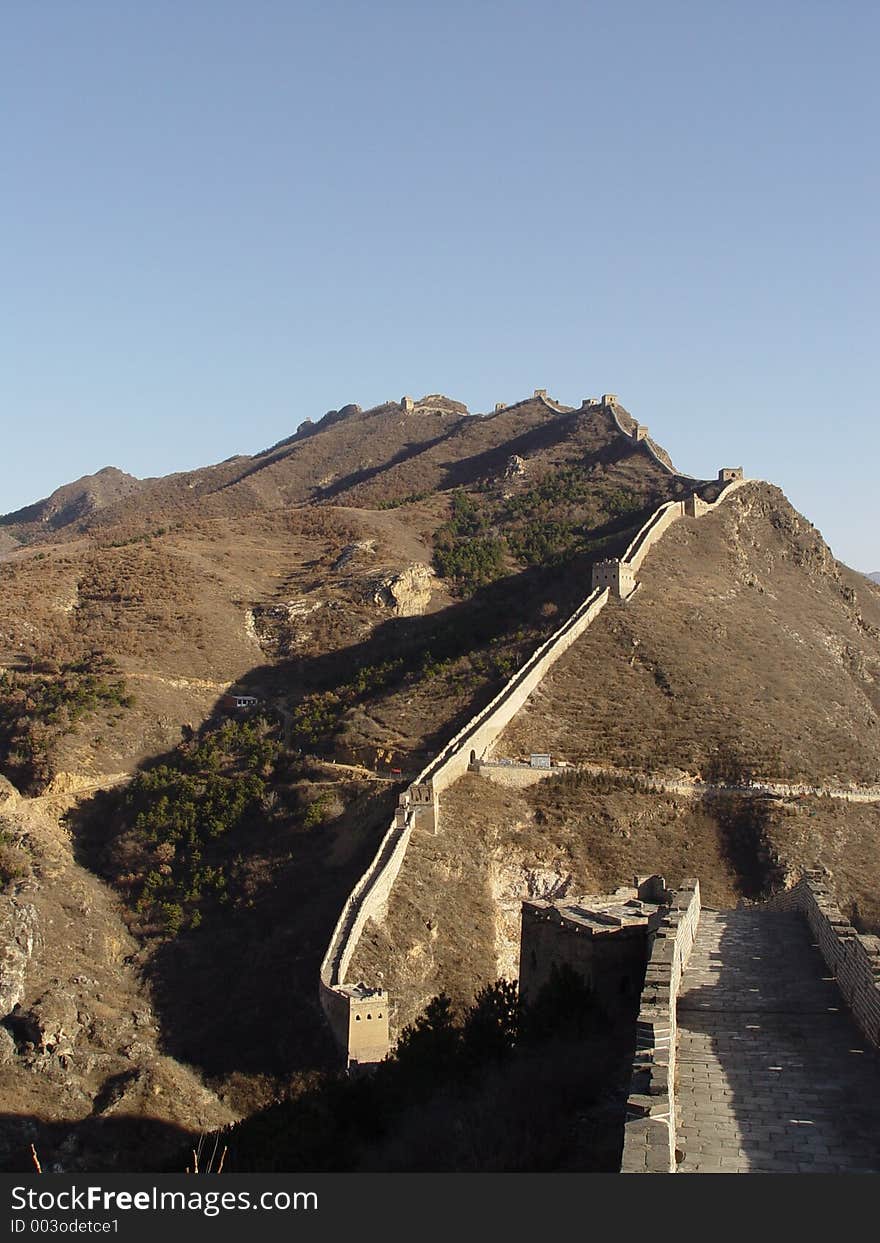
<point x="649" y="1132"/>
<point x="853" y="957"/>
<point x="370" y="895"/>
<point x="639" y="436"/>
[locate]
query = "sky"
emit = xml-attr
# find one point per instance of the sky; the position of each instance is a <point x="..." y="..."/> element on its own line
<point x="219" y="218"/>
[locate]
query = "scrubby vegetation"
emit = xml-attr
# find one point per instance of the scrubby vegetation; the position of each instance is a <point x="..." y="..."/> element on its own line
<point x="182" y="825"/>
<point x="39" y="706"/>
<point x="412" y="499"/>
<point x="567" y="514"/>
<point x="465" y="550"/>
<point x="14" y="862"/>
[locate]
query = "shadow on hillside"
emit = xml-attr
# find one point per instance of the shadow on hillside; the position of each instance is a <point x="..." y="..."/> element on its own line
<point x="743" y="821"/>
<point x="556" y="431"/>
<point x="408" y="452"/>
<point x="772" y="1074"/>
<point x="123" y="1143"/>
<point x="239" y="993"/>
<point x="526" y="607"/>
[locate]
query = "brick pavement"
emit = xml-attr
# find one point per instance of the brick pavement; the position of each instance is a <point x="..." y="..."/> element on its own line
<point x="773" y="1076"/>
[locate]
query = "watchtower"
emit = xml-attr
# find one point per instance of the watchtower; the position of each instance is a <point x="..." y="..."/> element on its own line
<point x="424" y="806"/>
<point x="695" y="506"/>
<point x="619" y="578"/>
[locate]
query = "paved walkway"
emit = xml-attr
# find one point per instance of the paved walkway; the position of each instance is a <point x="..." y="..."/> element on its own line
<point x="773" y="1076"/>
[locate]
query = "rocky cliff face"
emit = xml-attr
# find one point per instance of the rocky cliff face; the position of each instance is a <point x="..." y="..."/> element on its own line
<point x="82" y="1073"/>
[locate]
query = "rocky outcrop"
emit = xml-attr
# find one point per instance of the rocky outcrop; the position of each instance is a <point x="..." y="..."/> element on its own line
<point x="9" y="796"/>
<point x="407" y="593"/>
<point x="19" y="937"/>
<point x="351" y="553"/>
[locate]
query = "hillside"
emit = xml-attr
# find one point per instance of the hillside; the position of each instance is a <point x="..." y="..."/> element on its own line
<point x="367" y="624"/>
<point x="372" y="581"/>
<point x="71" y="503"/>
<point x="748" y="653"/>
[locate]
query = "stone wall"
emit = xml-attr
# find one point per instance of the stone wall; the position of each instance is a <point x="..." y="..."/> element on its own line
<point x="853" y="957"/>
<point x="659" y="522"/>
<point x="479" y="734"/>
<point x="649" y="1134"/>
<point x="419" y="808"/>
<point x="514" y="776"/>
<point x="639" y="436"/>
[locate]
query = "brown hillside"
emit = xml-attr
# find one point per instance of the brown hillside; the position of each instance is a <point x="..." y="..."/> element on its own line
<point x="72" y="503"/>
<point x="745" y="632"/>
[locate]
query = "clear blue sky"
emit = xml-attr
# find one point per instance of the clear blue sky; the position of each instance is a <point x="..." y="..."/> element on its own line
<point x="219" y="218"/>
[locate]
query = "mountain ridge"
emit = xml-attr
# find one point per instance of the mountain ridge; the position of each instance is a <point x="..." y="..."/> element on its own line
<point x="373" y="581"/>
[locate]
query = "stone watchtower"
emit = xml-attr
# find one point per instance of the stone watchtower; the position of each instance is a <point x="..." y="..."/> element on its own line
<point x="728" y="473"/>
<point x="695" y="506"/>
<point x="604" y="940"/>
<point x="615" y="575"/>
<point x="359" y="1018"/>
<point x="423" y="804"/>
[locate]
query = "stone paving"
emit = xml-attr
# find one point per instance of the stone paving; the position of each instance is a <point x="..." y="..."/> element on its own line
<point x="773" y="1076"/>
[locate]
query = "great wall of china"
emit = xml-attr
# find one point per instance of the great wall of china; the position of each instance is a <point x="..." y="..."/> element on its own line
<point x="358" y="1014"/>
<point x="737" y="1017"/>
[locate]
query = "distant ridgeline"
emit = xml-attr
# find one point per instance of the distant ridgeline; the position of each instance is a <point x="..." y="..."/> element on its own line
<point x="357" y="1012"/>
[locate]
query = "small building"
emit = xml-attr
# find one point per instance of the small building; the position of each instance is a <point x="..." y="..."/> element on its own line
<point x="233" y="702"/>
<point x="539" y="760"/>
<point x="728" y="473"/>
